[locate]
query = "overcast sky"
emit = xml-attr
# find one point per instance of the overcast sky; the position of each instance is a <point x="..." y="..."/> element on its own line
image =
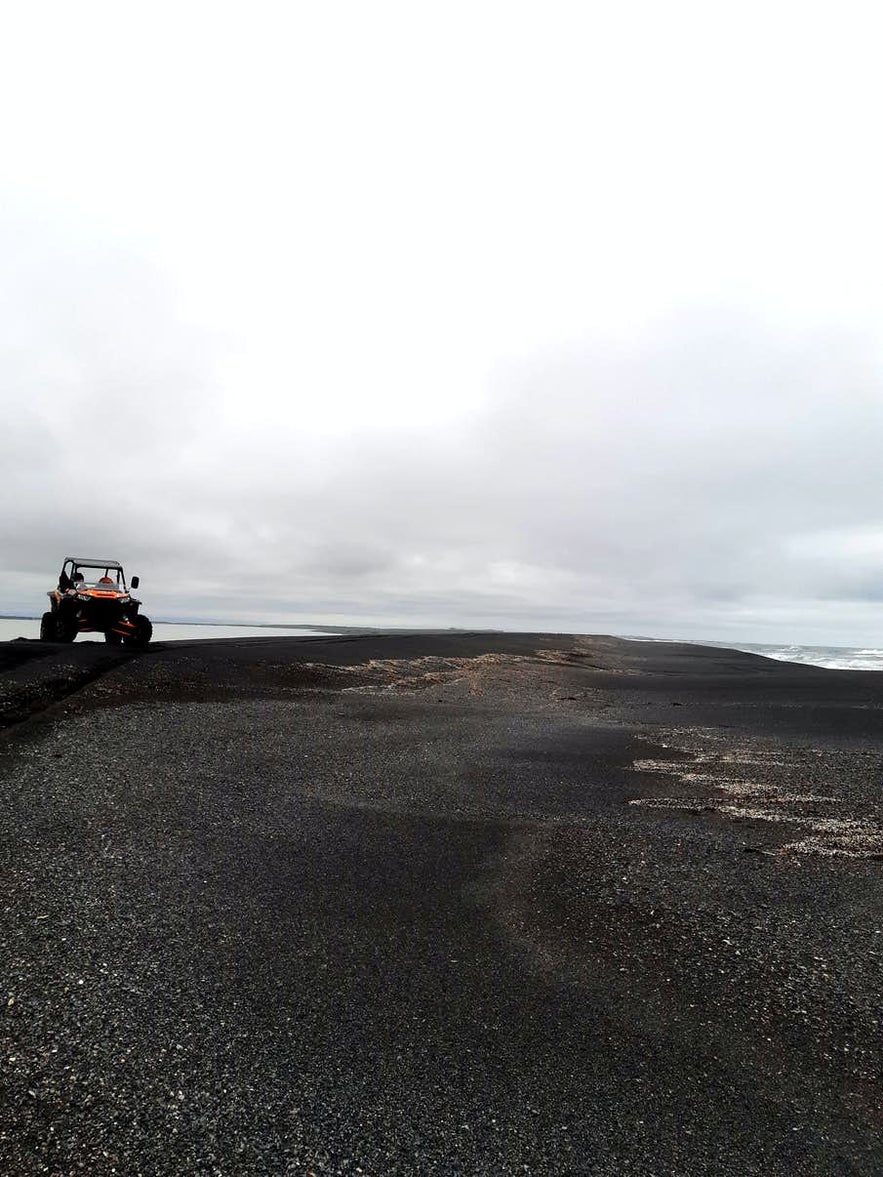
<point x="547" y="315"/>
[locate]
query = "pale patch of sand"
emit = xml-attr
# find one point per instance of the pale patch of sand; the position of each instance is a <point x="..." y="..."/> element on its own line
<point x="774" y="799"/>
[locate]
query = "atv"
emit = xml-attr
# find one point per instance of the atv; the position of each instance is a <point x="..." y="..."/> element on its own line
<point x="92" y="597"/>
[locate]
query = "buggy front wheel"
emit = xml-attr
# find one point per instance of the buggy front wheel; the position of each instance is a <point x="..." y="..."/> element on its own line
<point x="65" y="628"/>
<point x="143" y="632"/>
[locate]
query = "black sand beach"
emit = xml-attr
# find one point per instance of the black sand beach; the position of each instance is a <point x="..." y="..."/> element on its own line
<point x="439" y="904"/>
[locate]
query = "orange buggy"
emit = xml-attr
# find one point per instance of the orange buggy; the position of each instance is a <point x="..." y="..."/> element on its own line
<point x="92" y="597"/>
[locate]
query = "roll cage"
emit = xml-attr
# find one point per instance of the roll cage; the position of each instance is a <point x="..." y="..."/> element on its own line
<point x="79" y="567"/>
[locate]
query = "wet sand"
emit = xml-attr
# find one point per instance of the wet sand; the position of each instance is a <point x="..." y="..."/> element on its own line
<point x="439" y="904"/>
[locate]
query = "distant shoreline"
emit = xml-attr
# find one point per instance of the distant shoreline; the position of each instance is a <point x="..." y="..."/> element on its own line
<point x="354" y="629"/>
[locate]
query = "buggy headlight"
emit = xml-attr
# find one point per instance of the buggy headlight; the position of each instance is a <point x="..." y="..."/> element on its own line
<point x="82" y="596"/>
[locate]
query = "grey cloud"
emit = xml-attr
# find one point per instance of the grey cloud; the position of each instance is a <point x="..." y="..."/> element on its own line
<point x="655" y="482"/>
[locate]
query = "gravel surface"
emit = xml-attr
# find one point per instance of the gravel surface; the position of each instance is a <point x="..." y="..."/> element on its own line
<point x="439" y="904"/>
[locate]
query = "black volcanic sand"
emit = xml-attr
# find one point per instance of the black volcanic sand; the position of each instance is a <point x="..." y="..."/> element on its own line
<point x="386" y="905"/>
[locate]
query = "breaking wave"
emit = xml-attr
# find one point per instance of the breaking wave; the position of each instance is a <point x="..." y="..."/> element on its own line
<point x="831" y="657"/>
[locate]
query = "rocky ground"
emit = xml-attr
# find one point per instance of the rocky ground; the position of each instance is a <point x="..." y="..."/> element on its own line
<point x="439" y="904"/>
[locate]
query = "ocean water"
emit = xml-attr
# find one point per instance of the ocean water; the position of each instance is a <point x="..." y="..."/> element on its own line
<point x="11" y="628"/>
<point x="833" y="657"/>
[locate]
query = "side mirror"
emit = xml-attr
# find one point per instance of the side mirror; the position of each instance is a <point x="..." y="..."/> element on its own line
<point x="136" y="580"/>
